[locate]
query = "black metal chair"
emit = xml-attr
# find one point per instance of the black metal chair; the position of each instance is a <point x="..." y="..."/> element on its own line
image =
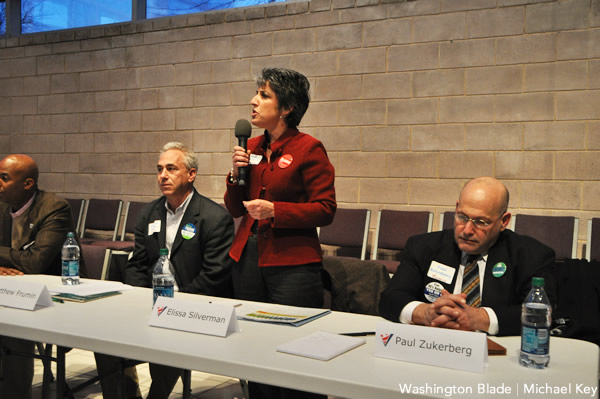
<point x="349" y="231"/>
<point x="592" y="246"/>
<point x="101" y="216"/>
<point x="393" y="229"/>
<point x="557" y="232"/>
<point x="77" y="208"/>
<point x="123" y="244"/>
<point x="446" y="220"/>
<point x="97" y="260"/>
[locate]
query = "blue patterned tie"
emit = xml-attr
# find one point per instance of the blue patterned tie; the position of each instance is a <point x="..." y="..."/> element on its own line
<point x="470" y="282"/>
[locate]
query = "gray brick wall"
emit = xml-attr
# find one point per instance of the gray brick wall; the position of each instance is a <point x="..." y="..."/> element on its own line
<point x="411" y="98"/>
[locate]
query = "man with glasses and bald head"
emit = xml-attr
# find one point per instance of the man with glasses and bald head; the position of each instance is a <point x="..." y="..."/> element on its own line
<point x="474" y="277"/>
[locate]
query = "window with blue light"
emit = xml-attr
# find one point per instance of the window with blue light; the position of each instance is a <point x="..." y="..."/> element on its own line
<point x="165" y="8"/>
<point x="46" y="15"/>
<point x="50" y="15"/>
<point x="2" y="18"/>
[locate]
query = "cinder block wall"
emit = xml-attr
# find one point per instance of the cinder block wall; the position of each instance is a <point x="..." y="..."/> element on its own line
<point x="411" y="98"/>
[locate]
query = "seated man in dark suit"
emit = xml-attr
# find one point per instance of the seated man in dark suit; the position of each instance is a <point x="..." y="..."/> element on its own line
<point x="33" y="227"/>
<point x="198" y="233"/>
<point x="474" y="277"/>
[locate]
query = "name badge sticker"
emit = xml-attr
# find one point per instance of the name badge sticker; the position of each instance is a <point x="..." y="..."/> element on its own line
<point x="188" y="231"/>
<point x="255" y="159"/>
<point x="154" y="227"/>
<point x="441" y="272"/>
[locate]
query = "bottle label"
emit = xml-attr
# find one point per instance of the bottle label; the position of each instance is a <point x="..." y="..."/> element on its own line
<point x="70" y="268"/>
<point x="535" y="341"/>
<point x="167" y="291"/>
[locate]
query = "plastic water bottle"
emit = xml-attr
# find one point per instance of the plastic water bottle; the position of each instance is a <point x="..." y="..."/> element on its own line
<point x="163" y="276"/>
<point x="70" y="261"/>
<point x="536" y="317"/>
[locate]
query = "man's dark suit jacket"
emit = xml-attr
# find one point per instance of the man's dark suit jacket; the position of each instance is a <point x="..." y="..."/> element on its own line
<point x="523" y="256"/>
<point x="202" y="263"/>
<point x="45" y="230"/>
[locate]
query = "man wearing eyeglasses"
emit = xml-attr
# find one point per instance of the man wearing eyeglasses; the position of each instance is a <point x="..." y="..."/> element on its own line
<point x="474" y="277"/>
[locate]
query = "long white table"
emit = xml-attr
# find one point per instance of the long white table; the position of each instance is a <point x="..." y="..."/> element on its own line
<point x="119" y="326"/>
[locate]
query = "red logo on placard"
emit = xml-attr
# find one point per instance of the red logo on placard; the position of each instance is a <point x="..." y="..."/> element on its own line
<point x="285" y="161"/>
<point x="386" y="338"/>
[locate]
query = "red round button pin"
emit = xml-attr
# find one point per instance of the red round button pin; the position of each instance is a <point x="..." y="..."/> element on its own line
<point x="285" y="161"/>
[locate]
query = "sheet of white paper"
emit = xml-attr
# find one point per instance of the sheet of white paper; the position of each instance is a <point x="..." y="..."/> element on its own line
<point x="321" y="345"/>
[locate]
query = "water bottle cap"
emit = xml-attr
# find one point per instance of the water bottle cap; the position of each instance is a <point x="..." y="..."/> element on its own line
<point x="70" y="234"/>
<point x="537" y="281"/>
<point x="163" y="251"/>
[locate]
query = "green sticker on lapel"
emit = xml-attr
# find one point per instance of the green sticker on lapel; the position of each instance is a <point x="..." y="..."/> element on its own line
<point x="188" y="231"/>
<point x="499" y="269"/>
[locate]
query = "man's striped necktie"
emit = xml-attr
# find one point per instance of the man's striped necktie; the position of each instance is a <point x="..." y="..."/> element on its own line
<point x="470" y="282"/>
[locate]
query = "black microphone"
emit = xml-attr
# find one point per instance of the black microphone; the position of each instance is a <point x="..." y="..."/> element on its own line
<point x="243" y="130"/>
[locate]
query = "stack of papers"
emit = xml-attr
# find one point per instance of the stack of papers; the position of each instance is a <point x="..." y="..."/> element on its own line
<point x="279" y="314"/>
<point x="87" y="290"/>
<point x="321" y="345"/>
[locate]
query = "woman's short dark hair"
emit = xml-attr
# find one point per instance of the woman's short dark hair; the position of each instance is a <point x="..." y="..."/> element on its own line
<point x="292" y="91"/>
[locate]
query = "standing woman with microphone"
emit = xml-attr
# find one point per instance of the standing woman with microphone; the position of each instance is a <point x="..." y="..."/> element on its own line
<point x="288" y="192"/>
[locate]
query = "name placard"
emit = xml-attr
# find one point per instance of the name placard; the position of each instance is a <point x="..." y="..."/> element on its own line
<point x="15" y="292"/>
<point x="462" y="350"/>
<point x="198" y="317"/>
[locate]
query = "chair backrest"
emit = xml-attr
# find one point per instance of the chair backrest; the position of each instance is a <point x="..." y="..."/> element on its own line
<point x="557" y="232"/>
<point x="102" y="214"/>
<point x="96" y="260"/>
<point x="349" y="229"/>
<point x="77" y="207"/>
<point x="395" y="227"/>
<point x="592" y="247"/>
<point x="132" y="209"/>
<point x="447" y="220"/>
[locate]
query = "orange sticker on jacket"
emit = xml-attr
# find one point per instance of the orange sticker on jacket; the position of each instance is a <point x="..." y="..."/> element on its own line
<point x="285" y="161"/>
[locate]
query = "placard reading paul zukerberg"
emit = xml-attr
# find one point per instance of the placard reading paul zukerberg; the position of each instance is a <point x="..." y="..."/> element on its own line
<point x="463" y="350"/>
